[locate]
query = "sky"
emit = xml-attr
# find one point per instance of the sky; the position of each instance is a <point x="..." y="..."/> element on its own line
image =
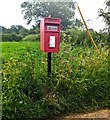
<point x="10" y="13"/>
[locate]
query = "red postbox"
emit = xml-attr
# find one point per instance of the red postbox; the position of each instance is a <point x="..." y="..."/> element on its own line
<point x="50" y="34"/>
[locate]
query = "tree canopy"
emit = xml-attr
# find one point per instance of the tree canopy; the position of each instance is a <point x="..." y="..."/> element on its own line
<point x="105" y="13"/>
<point x="35" y="10"/>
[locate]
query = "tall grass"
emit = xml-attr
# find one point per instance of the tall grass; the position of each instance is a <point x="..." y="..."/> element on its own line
<point x="79" y="81"/>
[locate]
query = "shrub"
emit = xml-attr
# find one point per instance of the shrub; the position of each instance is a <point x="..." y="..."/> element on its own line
<point x="32" y="38"/>
<point x="11" y="37"/>
<point x="70" y="35"/>
<point x="74" y="36"/>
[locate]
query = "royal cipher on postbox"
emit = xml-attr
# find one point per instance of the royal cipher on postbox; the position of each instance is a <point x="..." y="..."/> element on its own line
<point x="50" y="34"/>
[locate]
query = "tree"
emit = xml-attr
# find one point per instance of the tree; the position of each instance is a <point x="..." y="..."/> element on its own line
<point x="78" y="24"/>
<point x="106" y="19"/>
<point x="17" y="29"/>
<point x="105" y="15"/>
<point x="23" y="31"/>
<point x="34" y="30"/>
<point x="3" y="29"/>
<point x="36" y="10"/>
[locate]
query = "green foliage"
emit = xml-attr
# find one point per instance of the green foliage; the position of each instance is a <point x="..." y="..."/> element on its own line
<point x="70" y="35"/>
<point x="15" y="29"/>
<point x="32" y="38"/>
<point x="33" y="10"/>
<point x="11" y="37"/>
<point x="78" y="23"/>
<point x="104" y="13"/>
<point x="74" y="36"/>
<point x="34" y="30"/>
<point x="19" y="30"/>
<point x="16" y="49"/>
<point x="79" y="81"/>
<point x="3" y="30"/>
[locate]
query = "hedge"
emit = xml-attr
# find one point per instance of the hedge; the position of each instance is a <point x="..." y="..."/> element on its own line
<point x="11" y="37"/>
<point x="32" y="38"/>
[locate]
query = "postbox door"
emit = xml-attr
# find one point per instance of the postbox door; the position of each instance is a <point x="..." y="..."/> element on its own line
<point x="52" y="42"/>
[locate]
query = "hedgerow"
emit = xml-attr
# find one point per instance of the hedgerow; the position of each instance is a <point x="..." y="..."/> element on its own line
<point x="11" y="37"/>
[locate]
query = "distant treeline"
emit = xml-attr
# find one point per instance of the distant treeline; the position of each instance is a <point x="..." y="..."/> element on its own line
<point x="19" y="33"/>
<point x="18" y="29"/>
<point x="71" y="35"/>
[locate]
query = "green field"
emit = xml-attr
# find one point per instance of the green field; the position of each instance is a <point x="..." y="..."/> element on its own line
<point x="15" y="49"/>
<point x="79" y="80"/>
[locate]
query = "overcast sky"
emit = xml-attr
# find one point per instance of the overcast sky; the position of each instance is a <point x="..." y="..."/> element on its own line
<point x="10" y="13"/>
